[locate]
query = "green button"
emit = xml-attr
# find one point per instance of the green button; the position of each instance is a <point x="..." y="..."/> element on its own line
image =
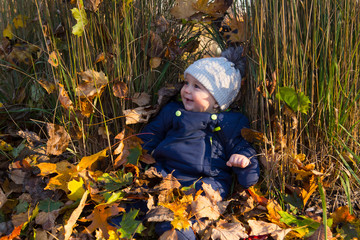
<point x="178" y="113"/>
<point x="213" y="117"/>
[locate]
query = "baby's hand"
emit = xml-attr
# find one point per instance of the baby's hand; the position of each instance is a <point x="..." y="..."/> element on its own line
<point x="238" y="160"/>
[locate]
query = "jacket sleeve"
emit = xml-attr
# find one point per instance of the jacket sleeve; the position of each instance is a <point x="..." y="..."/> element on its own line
<point x="155" y="131"/>
<point x="238" y="145"/>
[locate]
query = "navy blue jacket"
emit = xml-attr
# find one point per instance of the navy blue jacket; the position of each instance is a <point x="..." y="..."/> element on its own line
<point x="197" y="145"/>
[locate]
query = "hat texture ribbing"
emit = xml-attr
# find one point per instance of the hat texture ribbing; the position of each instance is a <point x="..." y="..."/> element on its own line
<point x="219" y="76"/>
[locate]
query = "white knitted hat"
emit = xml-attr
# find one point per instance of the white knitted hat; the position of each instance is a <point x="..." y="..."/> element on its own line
<point x="219" y="76"/>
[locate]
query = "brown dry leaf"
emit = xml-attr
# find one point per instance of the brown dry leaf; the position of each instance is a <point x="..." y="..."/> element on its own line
<point x="166" y="186"/>
<point x="251" y="136"/>
<point x="120" y="89"/>
<point x="138" y="115"/>
<point x="93" y="83"/>
<point x="18" y="176"/>
<point x="92" y="5"/>
<point x="75" y="216"/>
<point x="319" y="234"/>
<point x="53" y="60"/>
<point x="31" y="137"/>
<point x="161" y="24"/>
<point x="102" y="132"/>
<point x="87" y="161"/>
<point x="183" y="9"/>
<point x="141" y="99"/>
<point x="152" y="44"/>
<point x="64" y="97"/>
<point x="259" y="228"/>
<point x="20" y="95"/>
<point x="86" y="107"/>
<point x="3" y="198"/>
<point x="342" y="215"/>
<point x="160" y="214"/>
<point x="203" y="207"/>
<point x="147" y="158"/>
<point x="47" y="219"/>
<point x="155" y="62"/>
<point x="216" y="8"/>
<point x="238" y="29"/>
<point x="48" y="86"/>
<point x="100" y="57"/>
<point x="228" y="231"/>
<point x="290" y="113"/>
<point x="58" y="141"/>
<point x="20" y="219"/>
<point x="99" y="218"/>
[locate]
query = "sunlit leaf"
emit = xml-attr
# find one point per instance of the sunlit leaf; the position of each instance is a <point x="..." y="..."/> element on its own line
<point x="304" y="224"/>
<point x="92" y="85"/>
<point x="138" y="115"/>
<point x="259" y="228"/>
<point x="251" y="135"/>
<point x="255" y="193"/>
<point x="141" y="99"/>
<point x="216" y="8"/>
<point x="228" y="231"/>
<point x="19" y="21"/>
<point x="7" y="32"/>
<point x="238" y="29"/>
<point x="4" y="146"/>
<point x="342" y="215"/>
<point x="99" y="218"/>
<point x="48" y="86"/>
<point x="87" y="161"/>
<point x="297" y="101"/>
<point x="81" y="19"/>
<point x="155" y="62"/>
<point x="76" y="188"/>
<point x="64" y="97"/>
<point x="116" y="180"/>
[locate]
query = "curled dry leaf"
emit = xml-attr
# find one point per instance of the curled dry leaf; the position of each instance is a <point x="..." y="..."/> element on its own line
<point x="53" y="60"/>
<point x="58" y="139"/>
<point x="183" y="9"/>
<point x="92" y="5"/>
<point x="93" y="83"/>
<point x="251" y="136"/>
<point x="161" y="24"/>
<point x="48" y="86"/>
<point x="64" y="97"/>
<point x="238" y="29"/>
<point x="141" y="99"/>
<point x="138" y="115"/>
<point x="155" y="62"/>
<point x="100" y="57"/>
<point x="120" y="89"/>
<point x="86" y="107"/>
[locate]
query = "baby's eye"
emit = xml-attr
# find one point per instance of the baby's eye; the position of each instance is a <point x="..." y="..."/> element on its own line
<point x="197" y="86"/>
<point x="186" y="83"/>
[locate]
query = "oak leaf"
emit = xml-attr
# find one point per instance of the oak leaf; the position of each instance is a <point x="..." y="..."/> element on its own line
<point x="99" y="218"/>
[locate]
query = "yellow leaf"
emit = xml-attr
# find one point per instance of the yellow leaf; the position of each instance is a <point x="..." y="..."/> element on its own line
<point x="7" y="32"/>
<point x="89" y="160"/>
<point x="19" y="21"/>
<point x="180" y="222"/>
<point x="4" y="146"/>
<point x="76" y="188"/>
<point x="80" y="16"/>
<point x="155" y="62"/>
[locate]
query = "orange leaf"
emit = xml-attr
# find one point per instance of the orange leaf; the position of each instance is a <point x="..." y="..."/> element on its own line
<point x="100" y="57"/>
<point x="53" y="60"/>
<point x="58" y="141"/>
<point x="99" y="218"/>
<point x="342" y="215"/>
<point x="15" y="233"/>
<point x="257" y="197"/>
<point x="87" y="161"/>
<point x="120" y="89"/>
<point x="251" y="135"/>
<point x="64" y="97"/>
<point x="238" y="29"/>
<point x="216" y="8"/>
<point x="273" y="208"/>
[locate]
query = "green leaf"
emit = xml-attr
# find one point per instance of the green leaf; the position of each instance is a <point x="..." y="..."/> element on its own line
<point x="48" y="205"/>
<point x="305" y="226"/>
<point x="113" y="182"/>
<point x="298" y="102"/>
<point x="129" y="226"/>
<point x="134" y="155"/>
<point x="113" y="197"/>
<point x="80" y="16"/>
<point x="22" y="207"/>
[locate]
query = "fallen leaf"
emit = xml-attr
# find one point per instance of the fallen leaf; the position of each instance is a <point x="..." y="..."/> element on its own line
<point x="7" y="32"/>
<point x="53" y="60"/>
<point x="87" y="161"/>
<point x="169" y="235"/>
<point x="202" y="207"/>
<point x="75" y="216"/>
<point x="138" y="115"/>
<point x="3" y="198"/>
<point x="20" y="219"/>
<point x="14" y="234"/>
<point x="93" y="84"/>
<point x="228" y="231"/>
<point x="19" y="21"/>
<point x="120" y="89"/>
<point x="159" y="214"/>
<point x="47" y="219"/>
<point x="259" y="228"/>
<point x="257" y="196"/>
<point x="99" y="218"/>
<point x="130" y="226"/>
<point x="141" y="99"/>
<point x="58" y="139"/>
<point x="183" y="9"/>
<point x="64" y="97"/>
<point x="273" y="208"/>
<point x="152" y="44"/>
<point x="86" y="107"/>
<point x="76" y="188"/>
<point x="319" y="234"/>
<point x="48" y="86"/>
<point x="342" y="215"/>
<point x="155" y="62"/>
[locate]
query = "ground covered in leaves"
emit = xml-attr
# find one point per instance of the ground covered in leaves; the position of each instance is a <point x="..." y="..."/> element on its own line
<point x="46" y="195"/>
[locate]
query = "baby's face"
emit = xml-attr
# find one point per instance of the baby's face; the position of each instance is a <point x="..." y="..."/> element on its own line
<point x="195" y="97"/>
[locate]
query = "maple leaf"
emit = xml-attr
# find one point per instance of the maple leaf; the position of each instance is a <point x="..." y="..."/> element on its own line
<point x="179" y="206"/>
<point x="99" y="218"/>
<point x="58" y="141"/>
<point x="129" y="226"/>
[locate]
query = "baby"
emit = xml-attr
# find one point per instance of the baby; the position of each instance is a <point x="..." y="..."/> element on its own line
<point x="198" y="140"/>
